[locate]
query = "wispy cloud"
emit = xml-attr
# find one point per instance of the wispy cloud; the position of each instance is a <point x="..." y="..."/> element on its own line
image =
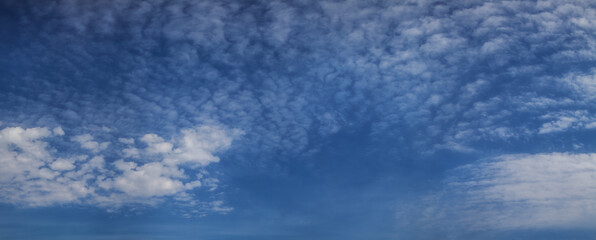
<point x="532" y="191"/>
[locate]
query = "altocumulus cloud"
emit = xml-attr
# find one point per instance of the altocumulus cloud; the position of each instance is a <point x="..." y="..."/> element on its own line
<point x="427" y="74"/>
<point x="32" y="175"/>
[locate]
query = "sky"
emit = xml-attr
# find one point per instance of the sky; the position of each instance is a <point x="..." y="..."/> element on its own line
<point x="299" y="119"/>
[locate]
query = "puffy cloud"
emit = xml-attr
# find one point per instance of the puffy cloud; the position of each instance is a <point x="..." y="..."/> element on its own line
<point x="148" y="180"/>
<point x="62" y="165"/>
<point x="32" y="175"/>
<point x="194" y="148"/>
<point x="22" y="152"/>
<point x="86" y="141"/>
<point x="131" y="152"/>
<point x="26" y="175"/>
<point x="197" y="145"/>
<point x="58" y="131"/>
<point x="127" y="140"/>
<point x="156" y="144"/>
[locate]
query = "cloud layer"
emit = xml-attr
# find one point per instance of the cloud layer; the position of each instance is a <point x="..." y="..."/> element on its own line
<point x="427" y="74"/>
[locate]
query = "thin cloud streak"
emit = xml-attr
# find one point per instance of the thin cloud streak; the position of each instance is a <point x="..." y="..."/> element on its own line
<point x="512" y="192"/>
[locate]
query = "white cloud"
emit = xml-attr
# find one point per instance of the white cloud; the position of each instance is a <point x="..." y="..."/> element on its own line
<point x="62" y="165"/>
<point x="149" y="180"/>
<point x="86" y="141"/>
<point x="454" y="146"/>
<point x="156" y="144"/>
<point x="32" y="176"/>
<point x="218" y="207"/>
<point x="25" y="177"/>
<point x="561" y="121"/>
<point x="559" y="125"/>
<point x="58" y="131"/>
<point x="197" y="145"/>
<point x="583" y="84"/>
<point x="22" y="152"/>
<point x="194" y="148"/>
<point x="127" y="140"/>
<point x="131" y="152"/>
<point x="554" y="190"/>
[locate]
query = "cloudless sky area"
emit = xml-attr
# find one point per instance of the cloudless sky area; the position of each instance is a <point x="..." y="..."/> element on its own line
<point x="297" y="120"/>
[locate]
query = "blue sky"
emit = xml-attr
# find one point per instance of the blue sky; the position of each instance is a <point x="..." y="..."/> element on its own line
<point x="297" y="119"/>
